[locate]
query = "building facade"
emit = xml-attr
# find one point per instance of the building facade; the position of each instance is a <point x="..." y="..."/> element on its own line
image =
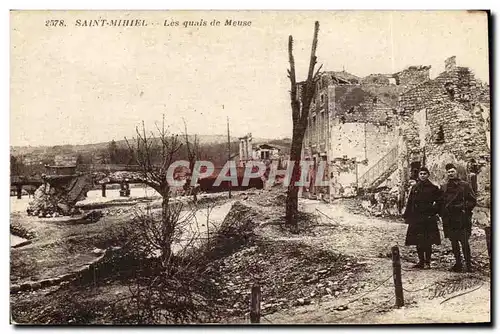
<point x="264" y="152"/>
<point x="376" y="131"/>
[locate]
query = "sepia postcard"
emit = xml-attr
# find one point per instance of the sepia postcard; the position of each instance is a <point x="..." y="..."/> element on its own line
<point x="250" y="167"/>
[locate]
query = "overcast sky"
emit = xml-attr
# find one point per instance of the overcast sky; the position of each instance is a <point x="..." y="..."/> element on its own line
<point x="78" y="85"/>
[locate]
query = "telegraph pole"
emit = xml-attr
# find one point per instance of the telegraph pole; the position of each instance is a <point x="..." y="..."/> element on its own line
<point x="228" y="150"/>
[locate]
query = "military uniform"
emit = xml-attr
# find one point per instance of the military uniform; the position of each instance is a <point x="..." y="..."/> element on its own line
<point x="420" y="214"/>
<point x="458" y="201"/>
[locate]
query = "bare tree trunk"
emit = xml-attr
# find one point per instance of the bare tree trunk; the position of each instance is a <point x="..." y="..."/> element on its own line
<point x="300" y="114"/>
<point x="193" y="153"/>
<point x="162" y="150"/>
<point x="293" y="190"/>
<point x="168" y="231"/>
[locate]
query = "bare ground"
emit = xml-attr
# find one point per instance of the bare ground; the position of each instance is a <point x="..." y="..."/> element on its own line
<point x="337" y="270"/>
<point x="369" y="240"/>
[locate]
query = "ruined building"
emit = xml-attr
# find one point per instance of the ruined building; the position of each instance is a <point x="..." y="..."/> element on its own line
<point x="245" y="152"/>
<point x="375" y="131"/>
<point x="444" y="120"/>
<point x="248" y="151"/>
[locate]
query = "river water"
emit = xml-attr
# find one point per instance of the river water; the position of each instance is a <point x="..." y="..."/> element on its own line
<point x="197" y="228"/>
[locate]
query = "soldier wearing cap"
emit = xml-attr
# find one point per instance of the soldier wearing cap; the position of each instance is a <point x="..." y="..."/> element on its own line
<point x="421" y="215"/>
<point x="458" y="201"/>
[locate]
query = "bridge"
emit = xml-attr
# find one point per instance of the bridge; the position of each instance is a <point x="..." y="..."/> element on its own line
<point x="65" y="172"/>
<point x="108" y="168"/>
<point x="19" y="181"/>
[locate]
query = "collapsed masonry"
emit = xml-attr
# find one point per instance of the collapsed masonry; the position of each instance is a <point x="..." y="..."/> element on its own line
<point x="59" y="194"/>
<point x="375" y="132"/>
<point x="445" y="120"/>
<point x="63" y="187"/>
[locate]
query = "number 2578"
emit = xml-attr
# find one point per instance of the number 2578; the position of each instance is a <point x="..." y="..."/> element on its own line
<point x="55" y="23"/>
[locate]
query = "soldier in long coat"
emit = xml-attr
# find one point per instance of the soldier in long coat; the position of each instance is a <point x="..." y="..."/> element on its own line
<point x="424" y="203"/>
<point x="458" y="201"/>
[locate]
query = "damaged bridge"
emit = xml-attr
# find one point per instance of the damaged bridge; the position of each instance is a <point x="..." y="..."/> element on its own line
<point x="61" y="187"/>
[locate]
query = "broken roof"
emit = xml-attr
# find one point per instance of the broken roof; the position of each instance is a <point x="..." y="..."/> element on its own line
<point x="343" y="77"/>
<point x="267" y="147"/>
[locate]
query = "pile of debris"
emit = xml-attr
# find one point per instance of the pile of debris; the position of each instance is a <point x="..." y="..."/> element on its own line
<point x="382" y="203"/>
<point x="118" y="211"/>
<point x="289" y="274"/>
<point x="56" y="199"/>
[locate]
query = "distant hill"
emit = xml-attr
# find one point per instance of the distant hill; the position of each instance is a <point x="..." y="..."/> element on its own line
<point x="205" y="140"/>
<point x="68" y="149"/>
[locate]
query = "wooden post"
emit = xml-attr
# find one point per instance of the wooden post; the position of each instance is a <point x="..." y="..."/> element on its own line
<point x="255" y="305"/>
<point x="19" y="191"/>
<point x="103" y="187"/>
<point x="229" y="152"/>
<point x="396" y="270"/>
<point x="487" y="230"/>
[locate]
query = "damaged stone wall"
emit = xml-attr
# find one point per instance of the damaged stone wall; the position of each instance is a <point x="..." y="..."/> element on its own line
<point x="457" y="84"/>
<point x="343" y="178"/>
<point x="380" y="139"/>
<point x="426" y="94"/>
<point x="378" y="79"/>
<point x="365" y="142"/>
<point x="356" y="103"/>
<point x="463" y="132"/>
<point x="436" y="121"/>
<point x="446" y="120"/>
<point x="464" y="139"/>
<point x="412" y="76"/>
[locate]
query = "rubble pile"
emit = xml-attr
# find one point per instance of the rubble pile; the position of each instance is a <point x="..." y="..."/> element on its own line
<point x="53" y="200"/>
<point x="383" y="203"/>
<point x="380" y="204"/>
<point x="273" y="197"/>
<point x="118" y="211"/>
<point x="289" y="274"/>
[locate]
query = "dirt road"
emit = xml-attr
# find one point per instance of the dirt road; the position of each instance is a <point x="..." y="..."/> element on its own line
<point x="431" y="296"/>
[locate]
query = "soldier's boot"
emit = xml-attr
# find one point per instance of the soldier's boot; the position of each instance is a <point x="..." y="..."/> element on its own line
<point x="467" y="256"/>
<point x="455" y="246"/>
<point x="428" y="255"/>
<point x="419" y="265"/>
<point x="421" y="258"/>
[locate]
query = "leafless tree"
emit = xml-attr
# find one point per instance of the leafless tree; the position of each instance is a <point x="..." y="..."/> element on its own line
<point x="154" y="155"/>
<point x="193" y="153"/>
<point x="300" y="114"/>
<point x="179" y="292"/>
<point x="172" y="290"/>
